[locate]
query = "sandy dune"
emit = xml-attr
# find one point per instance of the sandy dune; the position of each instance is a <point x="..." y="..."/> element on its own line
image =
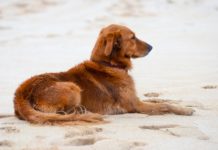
<point x="54" y="35"/>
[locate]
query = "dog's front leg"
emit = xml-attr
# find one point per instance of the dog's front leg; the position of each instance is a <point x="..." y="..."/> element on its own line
<point x="161" y="108"/>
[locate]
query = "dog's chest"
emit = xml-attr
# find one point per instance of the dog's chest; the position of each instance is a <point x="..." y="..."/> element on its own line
<point x="119" y="88"/>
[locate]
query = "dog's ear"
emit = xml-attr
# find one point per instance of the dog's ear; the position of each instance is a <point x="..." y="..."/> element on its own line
<point x="112" y="43"/>
<point x="109" y="44"/>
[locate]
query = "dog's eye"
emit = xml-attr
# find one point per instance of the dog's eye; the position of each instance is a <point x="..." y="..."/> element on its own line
<point x="132" y="37"/>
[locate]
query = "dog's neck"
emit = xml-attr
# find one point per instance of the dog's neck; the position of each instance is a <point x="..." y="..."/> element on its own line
<point x="108" y="64"/>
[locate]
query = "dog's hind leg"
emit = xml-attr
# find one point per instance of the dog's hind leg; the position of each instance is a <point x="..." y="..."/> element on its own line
<point x="161" y="108"/>
<point x="62" y="97"/>
<point x="60" y="103"/>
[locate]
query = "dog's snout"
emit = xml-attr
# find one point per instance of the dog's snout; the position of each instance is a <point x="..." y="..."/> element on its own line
<point x="149" y="47"/>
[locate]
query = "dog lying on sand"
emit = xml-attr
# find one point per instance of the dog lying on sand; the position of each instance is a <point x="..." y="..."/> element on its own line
<point x="98" y="86"/>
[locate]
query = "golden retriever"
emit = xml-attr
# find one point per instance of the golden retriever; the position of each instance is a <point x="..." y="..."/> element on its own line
<point x="98" y="86"/>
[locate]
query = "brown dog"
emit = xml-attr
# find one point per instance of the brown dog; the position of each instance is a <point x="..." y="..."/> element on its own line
<point x="100" y="85"/>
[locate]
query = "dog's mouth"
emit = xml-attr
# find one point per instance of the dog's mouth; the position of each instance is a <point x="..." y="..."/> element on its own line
<point x="134" y="56"/>
<point x="138" y="56"/>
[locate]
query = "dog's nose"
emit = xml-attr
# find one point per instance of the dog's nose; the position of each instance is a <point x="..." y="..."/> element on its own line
<point x="149" y="47"/>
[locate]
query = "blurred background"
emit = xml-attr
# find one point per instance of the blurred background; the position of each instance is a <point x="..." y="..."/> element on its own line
<point x="38" y="36"/>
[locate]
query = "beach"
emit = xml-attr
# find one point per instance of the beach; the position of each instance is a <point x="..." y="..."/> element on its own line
<point x="182" y="69"/>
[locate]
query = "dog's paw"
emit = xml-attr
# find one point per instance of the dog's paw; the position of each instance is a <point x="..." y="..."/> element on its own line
<point x="188" y="111"/>
<point x="181" y="110"/>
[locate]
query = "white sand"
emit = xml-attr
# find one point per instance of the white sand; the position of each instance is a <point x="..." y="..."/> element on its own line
<point x="49" y="36"/>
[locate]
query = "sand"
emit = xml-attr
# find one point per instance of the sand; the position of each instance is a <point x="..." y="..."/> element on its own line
<point x="54" y="35"/>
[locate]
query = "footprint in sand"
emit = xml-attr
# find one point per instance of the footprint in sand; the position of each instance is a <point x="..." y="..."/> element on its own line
<point x="6" y="143"/>
<point x="82" y="132"/>
<point x="81" y="136"/>
<point x="178" y="131"/>
<point x="9" y="129"/>
<point x="157" y="100"/>
<point x="209" y="87"/>
<point x="5" y="116"/>
<point x="158" y="127"/>
<point x="152" y="94"/>
<point x="82" y="141"/>
<point x="89" y="137"/>
<point x="121" y="144"/>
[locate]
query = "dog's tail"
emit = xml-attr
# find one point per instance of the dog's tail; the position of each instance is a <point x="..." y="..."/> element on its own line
<point x="25" y="111"/>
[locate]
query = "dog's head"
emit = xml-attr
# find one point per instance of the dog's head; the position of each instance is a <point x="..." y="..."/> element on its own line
<point x="117" y="44"/>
